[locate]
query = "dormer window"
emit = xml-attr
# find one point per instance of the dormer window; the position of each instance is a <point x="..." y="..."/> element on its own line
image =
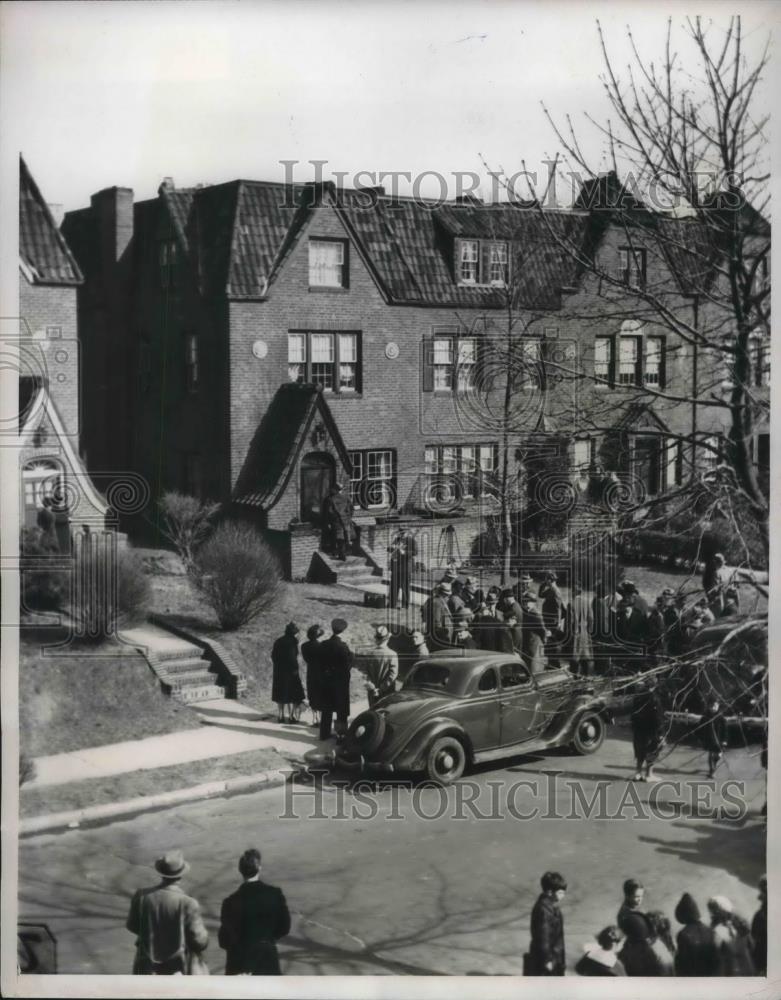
<point x="482" y="262"/>
<point x="631" y="266"/>
<point x="470" y="262"/>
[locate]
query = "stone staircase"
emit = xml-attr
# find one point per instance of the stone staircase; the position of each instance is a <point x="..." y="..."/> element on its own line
<point x="179" y="665"/>
<point x="364" y="573"/>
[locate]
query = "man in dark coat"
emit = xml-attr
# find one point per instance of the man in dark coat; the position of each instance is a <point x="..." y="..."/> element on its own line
<point x="337" y="662"/>
<point x="167" y="922"/>
<point x="546" y="955"/>
<point x="252" y="920"/>
<point x="604" y="628"/>
<point x="713" y="734"/>
<point x="437" y="622"/>
<point x="759" y="930"/>
<point x="508" y="604"/>
<point x="648" y="726"/>
<point x="462" y="636"/>
<point x="631" y="632"/>
<point x="286" y="687"/>
<point x="552" y="610"/>
<point x="697" y="953"/>
<point x="338" y="516"/>
<point x="512" y="627"/>
<point x="488" y="624"/>
<point x="580" y="628"/>
<point x="533" y="634"/>
<point x="401" y="562"/>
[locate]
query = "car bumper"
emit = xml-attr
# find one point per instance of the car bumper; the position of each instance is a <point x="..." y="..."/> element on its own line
<point x="361" y="765"/>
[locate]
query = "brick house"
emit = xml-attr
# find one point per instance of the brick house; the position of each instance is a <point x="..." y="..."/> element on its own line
<point x="49" y="277"/>
<point x="217" y="298"/>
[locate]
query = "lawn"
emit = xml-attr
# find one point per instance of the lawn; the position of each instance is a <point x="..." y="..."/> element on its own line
<point x="121" y="787"/>
<point x="88" y="695"/>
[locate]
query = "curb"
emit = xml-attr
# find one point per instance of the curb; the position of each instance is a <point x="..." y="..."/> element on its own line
<point x="95" y="815"/>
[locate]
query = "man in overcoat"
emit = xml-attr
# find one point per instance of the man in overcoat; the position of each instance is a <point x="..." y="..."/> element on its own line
<point x="337" y="662"/>
<point x="580" y="628"/>
<point x="338" y="515"/>
<point x="546" y="952"/>
<point x="381" y="667"/>
<point x="437" y="620"/>
<point x="402" y="552"/>
<point x="252" y="920"/>
<point x="167" y="922"/>
<point x="533" y="634"/>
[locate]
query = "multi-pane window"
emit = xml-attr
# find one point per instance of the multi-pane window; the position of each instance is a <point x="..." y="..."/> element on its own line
<point x="497" y="263"/>
<point x="629" y="361"/>
<point x="373" y="478"/>
<point x="470" y="262"/>
<point x="632" y="265"/>
<point x="760" y="360"/>
<point x="710" y="453"/>
<point x="450" y="363"/>
<point x="331" y="360"/>
<point x="603" y="360"/>
<point x="191" y="362"/>
<point x="327" y="264"/>
<point x="654" y="358"/>
<point x="461" y="469"/>
<point x="443" y="363"/>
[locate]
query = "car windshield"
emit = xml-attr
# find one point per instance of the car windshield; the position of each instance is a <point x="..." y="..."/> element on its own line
<point x="430" y="675"/>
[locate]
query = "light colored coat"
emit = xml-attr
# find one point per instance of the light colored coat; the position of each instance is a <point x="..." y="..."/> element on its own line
<point x="168" y="928"/>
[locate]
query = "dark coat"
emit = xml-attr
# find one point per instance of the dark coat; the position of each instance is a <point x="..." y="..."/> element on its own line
<point x="337" y="664"/>
<point x="402" y="556"/>
<point x="286" y="686"/>
<point x="547" y="938"/>
<point x="437" y="622"/>
<point x="636" y="954"/>
<point x="467" y="643"/>
<point x="552" y="606"/>
<point x="533" y="641"/>
<point x="338" y="515"/>
<point x="697" y="954"/>
<point x="313" y="656"/>
<point x="489" y="632"/>
<point x="631" y="629"/>
<point x="252" y="920"/>
<point x="713" y="731"/>
<point x="759" y="937"/>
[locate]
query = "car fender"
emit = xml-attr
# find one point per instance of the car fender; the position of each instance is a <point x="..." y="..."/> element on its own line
<point x="568" y="719"/>
<point x="411" y="755"/>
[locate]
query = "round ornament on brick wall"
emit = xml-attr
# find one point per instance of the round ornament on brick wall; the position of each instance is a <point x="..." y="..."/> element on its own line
<point x="392" y="350"/>
<point x="260" y="349"/>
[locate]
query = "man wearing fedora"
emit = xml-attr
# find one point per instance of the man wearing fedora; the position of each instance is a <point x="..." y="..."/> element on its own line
<point x="169" y="929"/>
<point x="337" y="662"/>
<point x="338" y="516"/>
<point x="252" y="920"/>
<point x="381" y="667"/>
<point x="437" y="621"/>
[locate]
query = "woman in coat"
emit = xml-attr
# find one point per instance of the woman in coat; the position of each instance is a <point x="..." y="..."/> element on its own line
<point x="636" y="954"/>
<point x="732" y="937"/>
<point x="697" y="953"/>
<point x="662" y="943"/>
<point x="546" y="952"/>
<point x="312" y="654"/>
<point x="600" y="959"/>
<point x="286" y="688"/>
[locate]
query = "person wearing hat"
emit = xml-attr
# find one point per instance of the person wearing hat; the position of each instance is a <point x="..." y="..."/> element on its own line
<point x="631" y="633"/>
<point x="733" y="938"/>
<point x="380" y="667"/>
<point x="508" y="605"/>
<point x="312" y="654"/>
<point x="697" y="953"/>
<point x="513" y="631"/>
<point x="629" y="587"/>
<point x="252" y="920"/>
<point x="533" y="634"/>
<point x="713" y="734"/>
<point x="337" y="664"/>
<point x="490" y="633"/>
<point x="580" y="628"/>
<point x="523" y="584"/>
<point x="401" y="561"/>
<point x="463" y="637"/>
<point x="286" y="687"/>
<point x="169" y="928"/>
<point x="437" y="620"/>
<point x="338" y="517"/>
<point x="471" y="594"/>
<point x="648" y="728"/>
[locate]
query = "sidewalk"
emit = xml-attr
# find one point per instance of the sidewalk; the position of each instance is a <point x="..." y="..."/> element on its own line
<point x="229" y="727"/>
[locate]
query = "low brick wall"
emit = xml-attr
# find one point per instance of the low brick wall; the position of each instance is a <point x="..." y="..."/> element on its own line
<point x="230" y="677"/>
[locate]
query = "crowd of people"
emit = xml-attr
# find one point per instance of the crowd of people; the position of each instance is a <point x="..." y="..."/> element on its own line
<point x="641" y="943"/>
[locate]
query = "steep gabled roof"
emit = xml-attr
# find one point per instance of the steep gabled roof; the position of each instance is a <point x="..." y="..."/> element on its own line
<point x="42" y="247"/>
<point x="278" y="442"/>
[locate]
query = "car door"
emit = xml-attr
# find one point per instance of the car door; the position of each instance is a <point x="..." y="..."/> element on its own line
<point x="480" y="713"/>
<point x="521" y="715"/>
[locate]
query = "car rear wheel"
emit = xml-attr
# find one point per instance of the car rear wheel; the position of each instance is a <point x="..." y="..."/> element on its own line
<point x="366" y="733"/>
<point x="589" y="733"/>
<point x="446" y="760"/>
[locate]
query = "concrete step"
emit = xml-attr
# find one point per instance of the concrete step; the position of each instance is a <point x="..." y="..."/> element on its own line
<point x="188" y="679"/>
<point x="184" y="665"/>
<point x="203" y="692"/>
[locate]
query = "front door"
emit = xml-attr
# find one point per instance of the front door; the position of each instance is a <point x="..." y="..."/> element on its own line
<point x="318" y="474"/>
<point x="521" y="704"/>
<point x="647" y="462"/>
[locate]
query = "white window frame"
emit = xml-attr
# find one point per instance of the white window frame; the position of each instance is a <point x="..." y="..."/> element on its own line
<point x="653" y="361"/>
<point x="497" y="264"/>
<point x="602" y="367"/>
<point x="442" y="361"/>
<point x="301" y="363"/>
<point x="325" y="273"/>
<point x="627" y="340"/>
<point x="469" y="262"/>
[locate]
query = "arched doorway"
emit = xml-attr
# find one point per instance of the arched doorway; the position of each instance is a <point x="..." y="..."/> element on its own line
<point x="40" y="478"/>
<point x="318" y="474"/>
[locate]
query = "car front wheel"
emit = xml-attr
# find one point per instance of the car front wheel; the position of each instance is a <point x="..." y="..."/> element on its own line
<point x="589" y="733"/>
<point x="446" y="760"/>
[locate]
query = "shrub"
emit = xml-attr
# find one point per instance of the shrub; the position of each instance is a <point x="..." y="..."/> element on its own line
<point x="237" y="573"/>
<point x="187" y="523"/>
<point x="111" y="590"/>
<point x="44" y="588"/>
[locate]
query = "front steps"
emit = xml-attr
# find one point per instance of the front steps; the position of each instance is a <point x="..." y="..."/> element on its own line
<point x="179" y="665"/>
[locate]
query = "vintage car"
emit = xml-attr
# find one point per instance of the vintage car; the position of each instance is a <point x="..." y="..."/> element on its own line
<point x="458" y="710"/>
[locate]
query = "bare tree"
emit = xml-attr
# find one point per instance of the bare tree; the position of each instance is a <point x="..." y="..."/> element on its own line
<point x="680" y="246"/>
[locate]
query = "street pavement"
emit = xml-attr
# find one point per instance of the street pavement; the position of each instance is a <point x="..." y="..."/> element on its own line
<point x="397" y="893"/>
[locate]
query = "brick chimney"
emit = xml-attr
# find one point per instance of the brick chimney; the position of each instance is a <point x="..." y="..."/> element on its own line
<point x="113" y="208"/>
